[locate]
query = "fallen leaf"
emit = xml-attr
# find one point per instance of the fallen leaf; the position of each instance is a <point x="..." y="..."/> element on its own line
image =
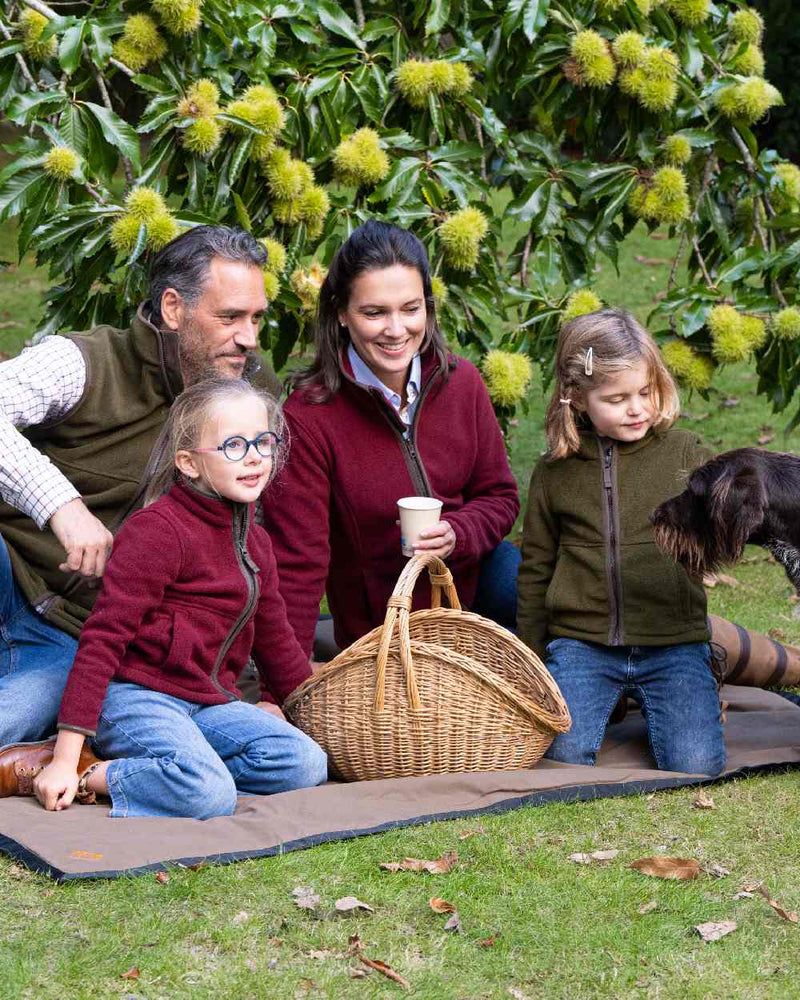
<point x="490" y="941"/>
<point x="132" y="973"/>
<point x="471" y="833"/>
<point x="321" y="954"/>
<point x="454" y="923"/>
<point x="305" y="897"/>
<point x="647" y="907"/>
<point x="744" y="894"/>
<point x="439" y="905"/>
<point x="304" y="987"/>
<point x="241" y="917"/>
<point x="385" y="970"/>
<point x="347" y="903"/>
<point x="354" y="945"/>
<point x="162" y="877"/>
<point x="715" y="870"/>
<point x="517" y="994"/>
<point x="715" y="929"/>
<point x="356" y="973"/>
<point x="440" y="866"/>
<point x="276" y="942"/>
<point x="650" y="261"/>
<point x="586" y="859"/>
<point x="790" y="915"/>
<point x="682" y="869"/>
<point x="766" y="438"/>
<point x="197" y="866"/>
<point x="658" y="236"/>
<point x="730" y="402"/>
<point x="703" y="801"/>
<point x="87" y="855"/>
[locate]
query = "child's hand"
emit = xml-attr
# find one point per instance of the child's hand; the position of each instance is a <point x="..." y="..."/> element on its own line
<point x="440" y="540"/>
<point x="268" y="706"/>
<point x="56" y="785"/>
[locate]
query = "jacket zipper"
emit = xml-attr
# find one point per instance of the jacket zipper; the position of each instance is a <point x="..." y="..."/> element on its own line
<point x="419" y="477"/>
<point x="610" y="505"/>
<point x="241" y="522"/>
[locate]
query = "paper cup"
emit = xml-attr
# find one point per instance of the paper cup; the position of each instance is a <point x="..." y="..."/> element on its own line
<point x="416" y="514"/>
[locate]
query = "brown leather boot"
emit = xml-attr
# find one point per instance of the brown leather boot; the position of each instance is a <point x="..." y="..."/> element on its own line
<point x="21" y="762"/>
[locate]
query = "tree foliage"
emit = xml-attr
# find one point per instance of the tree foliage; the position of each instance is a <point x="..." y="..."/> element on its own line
<point x="573" y="120"/>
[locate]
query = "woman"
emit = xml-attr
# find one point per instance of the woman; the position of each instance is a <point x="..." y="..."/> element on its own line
<point x="385" y="411"/>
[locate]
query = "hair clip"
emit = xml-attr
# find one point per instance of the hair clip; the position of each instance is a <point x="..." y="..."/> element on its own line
<point x="568" y="402"/>
<point x="588" y="364"/>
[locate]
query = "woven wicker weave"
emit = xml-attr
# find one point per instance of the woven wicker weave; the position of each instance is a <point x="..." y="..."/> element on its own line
<point x="441" y="690"/>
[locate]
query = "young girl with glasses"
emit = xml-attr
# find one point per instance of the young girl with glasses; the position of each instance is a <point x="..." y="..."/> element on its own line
<point x="190" y="593"/>
<point x="607" y="610"/>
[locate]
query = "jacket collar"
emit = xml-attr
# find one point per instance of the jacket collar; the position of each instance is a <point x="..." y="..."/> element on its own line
<point x="158" y="348"/>
<point x="213" y="509"/>
<point x="589" y="444"/>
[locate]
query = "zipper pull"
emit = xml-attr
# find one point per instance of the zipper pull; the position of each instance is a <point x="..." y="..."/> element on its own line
<point x="607" y="468"/>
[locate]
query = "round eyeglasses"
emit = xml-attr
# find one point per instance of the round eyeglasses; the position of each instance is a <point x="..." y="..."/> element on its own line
<point x="235" y="448"/>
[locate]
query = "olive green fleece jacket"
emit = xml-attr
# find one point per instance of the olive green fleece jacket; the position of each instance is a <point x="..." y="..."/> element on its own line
<point x="590" y="568"/>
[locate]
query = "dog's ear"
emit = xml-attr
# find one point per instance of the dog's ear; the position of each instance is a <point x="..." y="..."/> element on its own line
<point x="737" y="502"/>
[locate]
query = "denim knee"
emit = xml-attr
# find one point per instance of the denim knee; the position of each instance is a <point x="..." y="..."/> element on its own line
<point x="207" y="793"/>
<point x="308" y="764"/>
<point x="171" y="786"/>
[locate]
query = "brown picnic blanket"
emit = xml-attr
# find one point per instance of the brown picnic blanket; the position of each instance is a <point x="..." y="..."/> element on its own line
<point x="762" y="732"/>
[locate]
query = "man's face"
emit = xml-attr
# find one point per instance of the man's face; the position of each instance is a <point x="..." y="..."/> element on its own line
<point x="217" y="332"/>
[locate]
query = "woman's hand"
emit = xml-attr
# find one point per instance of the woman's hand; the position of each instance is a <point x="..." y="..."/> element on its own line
<point x="55" y="785"/>
<point x="273" y="709"/>
<point x="440" y="540"/>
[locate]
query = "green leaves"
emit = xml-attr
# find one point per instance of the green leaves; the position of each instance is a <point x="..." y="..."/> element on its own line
<point x="500" y="118"/>
<point x="116" y="132"/>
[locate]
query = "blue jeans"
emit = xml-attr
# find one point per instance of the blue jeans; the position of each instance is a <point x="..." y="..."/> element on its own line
<point x="496" y="596"/>
<point x="172" y="757"/>
<point x="673" y="685"/>
<point x="35" y="658"/>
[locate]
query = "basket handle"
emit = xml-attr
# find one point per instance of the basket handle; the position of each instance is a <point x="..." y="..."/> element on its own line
<point x="397" y="611"/>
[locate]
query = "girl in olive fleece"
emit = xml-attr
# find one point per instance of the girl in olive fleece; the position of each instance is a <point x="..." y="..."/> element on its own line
<point x="607" y="610"/>
<point x="189" y="594"/>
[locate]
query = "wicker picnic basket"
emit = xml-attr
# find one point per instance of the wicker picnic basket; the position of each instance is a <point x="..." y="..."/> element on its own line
<point x="438" y="690"/>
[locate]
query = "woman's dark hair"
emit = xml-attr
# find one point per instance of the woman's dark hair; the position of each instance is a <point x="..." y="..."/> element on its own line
<point x="184" y="263"/>
<point x="374" y="246"/>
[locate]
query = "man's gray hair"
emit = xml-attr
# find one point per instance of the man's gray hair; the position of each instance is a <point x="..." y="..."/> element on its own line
<point x="184" y="263"/>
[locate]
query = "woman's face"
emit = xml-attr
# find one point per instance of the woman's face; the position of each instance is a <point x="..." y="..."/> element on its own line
<point x="386" y="319"/>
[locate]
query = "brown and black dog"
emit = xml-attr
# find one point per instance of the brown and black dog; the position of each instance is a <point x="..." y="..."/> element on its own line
<point x="739" y="497"/>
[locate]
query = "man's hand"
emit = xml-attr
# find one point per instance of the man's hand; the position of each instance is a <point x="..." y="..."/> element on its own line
<point x="86" y="540"/>
<point x="268" y="706"/>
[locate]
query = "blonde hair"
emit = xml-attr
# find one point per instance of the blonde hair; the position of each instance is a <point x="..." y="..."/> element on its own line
<point x="187" y="418"/>
<point x="591" y="348"/>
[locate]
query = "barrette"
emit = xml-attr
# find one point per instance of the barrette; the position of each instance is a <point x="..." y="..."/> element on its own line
<point x="588" y="365"/>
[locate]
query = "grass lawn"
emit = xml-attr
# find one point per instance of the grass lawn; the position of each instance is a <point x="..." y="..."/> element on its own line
<point x="535" y="924"/>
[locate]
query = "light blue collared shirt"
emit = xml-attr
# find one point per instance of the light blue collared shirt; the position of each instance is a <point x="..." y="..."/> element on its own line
<point x="364" y="375"/>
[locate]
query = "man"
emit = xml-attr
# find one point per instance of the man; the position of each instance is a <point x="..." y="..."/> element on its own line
<point x="91" y="406"/>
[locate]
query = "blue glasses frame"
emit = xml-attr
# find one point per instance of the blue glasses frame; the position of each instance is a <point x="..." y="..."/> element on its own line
<point x="263" y="444"/>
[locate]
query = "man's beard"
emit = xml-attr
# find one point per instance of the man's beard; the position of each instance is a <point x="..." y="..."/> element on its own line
<point x="195" y="362"/>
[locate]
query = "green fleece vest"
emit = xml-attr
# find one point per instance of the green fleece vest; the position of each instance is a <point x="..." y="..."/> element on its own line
<point x="102" y="446"/>
<point x="590" y="567"/>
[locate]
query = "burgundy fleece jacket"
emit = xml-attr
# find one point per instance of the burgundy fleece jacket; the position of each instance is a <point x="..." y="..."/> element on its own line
<point x="189" y="594"/>
<point x="331" y="516"/>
